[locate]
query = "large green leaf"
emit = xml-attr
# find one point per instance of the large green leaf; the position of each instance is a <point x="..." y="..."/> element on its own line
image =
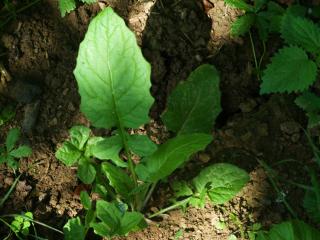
<point x="79" y="135"/>
<point x="290" y="71"/>
<point x="112" y="75"/>
<point x="309" y="102"/>
<point x="109" y="214"/>
<point x="194" y="105"/>
<point x="73" y="229"/>
<point x="119" y="180"/>
<point x="301" y="31"/>
<point x="131" y="221"/>
<point x="109" y="149"/>
<point x="291" y="230"/>
<point x="171" y="155"/>
<point x="242" y="25"/>
<point x="141" y="145"/>
<point x="221" y="181"/>
<point x="66" y="6"/>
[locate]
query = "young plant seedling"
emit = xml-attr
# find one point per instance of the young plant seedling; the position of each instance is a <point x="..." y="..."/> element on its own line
<point x="21" y="224"/>
<point x="114" y="84"/>
<point x="66" y="6"/>
<point x="9" y="153"/>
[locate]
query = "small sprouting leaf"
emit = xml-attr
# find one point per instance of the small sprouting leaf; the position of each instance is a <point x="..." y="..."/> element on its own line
<point x="240" y="4"/>
<point x="85" y="200"/>
<point x="309" y="102"/>
<point x="141" y="145"/>
<point x="194" y="105"/>
<point x="101" y="229"/>
<point x="289" y="230"/>
<point x="79" y="135"/>
<point x="21" y="151"/>
<point x="86" y="171"/>
<point x="119" y="180"/>
<point x="12" y="138"/>
<point x="112" y="74"/>
<point x="90" y="144"/>
<point x="68" y="154"/>
<point x="171" y="155"/>
<point x="66" y="6"/>
<point x="302" y="32"/>
<point x="290" y="71"/>
<point x="242" y="25"/>
<point x="74" y="229"/>
<point x="109" y="149"/>
<point x="181" y="189"/>
<point x="222" y="181"/>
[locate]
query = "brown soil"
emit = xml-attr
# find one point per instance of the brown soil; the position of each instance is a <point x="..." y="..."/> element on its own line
<point x="176" y="37"/>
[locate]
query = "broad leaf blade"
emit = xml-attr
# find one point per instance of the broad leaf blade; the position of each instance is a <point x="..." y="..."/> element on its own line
<point x="109" y="149"/>
<point x="112" y="75"/>
<point x="79" y="135"/>
<point x="68" y="154"/>
<point x="242" y="25"/>
<point x="290" y="71"/>
<point x="119" y="180"/>
<point x="21" y="151"/>
<point x="240" y="4"/>
<point x="141" y="145"/>
<point x="12" y="138"/>
<point x="89" y="1"/>
<point x="171" y="155"/>
<point x="85" y="200"/>
<point x="309" y="102"/>
<point x="194" y="105"/>
<point x="73" y="229"/>
<point x="86" y="171"/>
<point x="131" y="221"/>
<point x="222" y="182"/>
<point x="301" y="31"/>
<point x="66" y="6"/>
<point x="110" y="215"/>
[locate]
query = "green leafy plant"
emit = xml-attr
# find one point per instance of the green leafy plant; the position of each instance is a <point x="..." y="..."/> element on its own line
<point x="9" y="153"/>
<point x="114" y="84"/>
<point x="66" y="6"/>
<point x="6" y="114"/>
<point x="21" y="224"/>
<point x="294" y="67"/>
<point x="294" y="229"/>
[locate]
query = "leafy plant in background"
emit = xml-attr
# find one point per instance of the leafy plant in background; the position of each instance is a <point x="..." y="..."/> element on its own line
<point x="294" y="229"/>
<point x="9" y="153"/>
<point x="114" y="85"/>
<point x="66" y="6"/>
<point x="6" y="114"/>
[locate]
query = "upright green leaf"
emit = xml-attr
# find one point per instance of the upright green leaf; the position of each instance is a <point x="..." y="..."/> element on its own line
<point x="242" y="25"/>
<point x="141" y="145"/>
<point x="194" y="104"/>
<point x="290" y="71"/>
<point x="131" y="221"/>
<point x="241" y="4"/>
<point x="85" y="200"/>
<point x="66" y="6"/>
<point x="73" y="229"/>
<point x="109" y="149"/>
<point x="302" y="32"/>
<point x="171" y="155"/>
<point x="112" y="75"/>
<point x="221" y="181"/>
<point x="12" y="138"/>
<point x="79" y="135"/>
<point x="89" y="1"/>
<point x="119" y="180"/>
